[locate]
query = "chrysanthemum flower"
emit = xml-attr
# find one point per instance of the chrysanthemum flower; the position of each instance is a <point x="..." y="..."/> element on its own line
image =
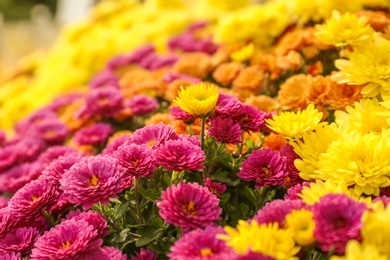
<point x="96" y="134"/>
<point x="215" y="187"/>
<point x="293" y="174"/>
<point x="105" y="78"/>
<point x="225" y="130"/>
<point x="93" y="180"/>
<point x="294" y="125"/>
<point x="189" y="205"/>
<point x="16" y="177"/>
<point x="344" y="30"/>
<point x="114" y="144"/>
<point x="144" y="254"/>
<point x="266" y="167"/>
<point x="153" y="135"/>
<point x="7" y="221"/>
<point x="92" y="218"/>
<point x="301" y="223"/>
<point x="199" y="99"/>
<point x="20" y="240"/>
<point x="57" y="168"/>
<point x="294" y="192"/>
<point x="354" y="250"/>
<point x="201" y="244"/>
<point x="250" y="118"/>
<point x="11" y="256"/>
<point x="51" y="131"/>
<point x="227" y="106"/>
<point x="338" y="220"/>
<point x="266" y="239"/>
<point x="142" y="105"/>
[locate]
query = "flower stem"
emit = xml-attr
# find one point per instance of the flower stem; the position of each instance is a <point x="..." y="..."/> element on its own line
<point x="203" y="124"/>
<point x="137" y="203"/>
<point x="49" y="218"/>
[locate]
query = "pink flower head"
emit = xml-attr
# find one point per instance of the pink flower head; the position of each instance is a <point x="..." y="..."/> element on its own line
<point x="11" y="256"/>
<point x="101" y="102"/>
<point x="180" y="114"/>
<point x="290" y="156"/>
<point x="266" y="167"/>
<point x="155" y="61"/>
<point x="138" y="160"/>
<point x="57" y="168"/>
<point x="225" y="130"/>
<point x="103" y="253"/>
<point x="170" y="76"/>
<point x="180" y="155"/>
<point x="338" y="220"/>
<point x="189" y="205"/>
<point x="277" y="210"/>
<point x="294" y="191"/>
<point x="93" y="180"/>
<point x="142" y="105"/>
<point x="135" y="57"/>
<point x="28" y="148"/>
<point x="63" y="101"/>
<point x="105" y="78"/>
<point x="92" y="218"/>
<point x="201" y="244"/>
<point x="113" y="145"/>
<point x="8" y="158"/>
<point x="3" y="201"/>
<point x="227" y="106"/>
<point x="35" y="197"/>
<point x="51" y="131"/>
<point x="7" y="221"/>
<point x="215" y="187"/>
<point x="251" y="119"/>
<point x="144" y="254"/>
<point x="68" y="240"/>
<point x="153" y="135"/>
<point x="20" y="240"/>
<point x="23" y="127"/>
<point x="3" y="137"/>
<point x="96" y="134"/>
<point x="15" y="178"/>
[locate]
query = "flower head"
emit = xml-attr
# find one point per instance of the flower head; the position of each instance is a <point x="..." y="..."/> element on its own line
<point x="144" y="254"/>
<point x="142" y="105"/>
<point x="198" y="99"/>
<point x="250" y="118"/>
<point x="96" y="134"/>
<point x="20" y="240"/>
<point x="215" y="187"/>
<point x="102" y="102"/>
<point x="225" y="130"/>
<point x="57" y="168"/>
<point x="356" y="251"/>
<point x="302" y="225"/>
<point x="189" y="205"/>
<point x="153" y="135"/>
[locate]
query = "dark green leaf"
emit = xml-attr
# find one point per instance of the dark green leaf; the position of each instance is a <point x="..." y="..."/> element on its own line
<point x="121" y="237"/>
<point x="148" y="234"/>
<point x="120" y="210"/>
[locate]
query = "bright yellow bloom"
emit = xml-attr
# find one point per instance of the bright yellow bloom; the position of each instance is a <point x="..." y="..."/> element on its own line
<point x="244" y="53"/>
<point x="294" y="125"/>
<point x="369" y="64"/>
<point x="301" y="223"/>
<point x="198" y="99"/>
<point x="356" y="251"/>
<point x="357" y="159"/>
<point x="310" y="147"/>
<point x="226" y="4"/>
<point x="266" y="239"/>
<point x="344" y="30"/>
<point x="365" y="117"/>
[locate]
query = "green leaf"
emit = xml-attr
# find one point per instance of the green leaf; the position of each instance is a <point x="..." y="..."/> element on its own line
<point x="244" y="208"/>
<point x="148" y="234"/>
<point x="221" y="176"/>
<point x="115" y="200"/>
<point x="149" y="194"/>
<point x="250" y="194"/>
<point x="120" y="210"/>
<point x="121" y="237"/>
<point x="225" y="198"/>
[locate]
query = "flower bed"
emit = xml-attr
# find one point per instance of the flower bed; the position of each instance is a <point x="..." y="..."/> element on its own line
<point x="237" y="143"/>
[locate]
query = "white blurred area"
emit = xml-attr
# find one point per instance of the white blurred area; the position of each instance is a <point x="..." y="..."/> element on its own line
<point x="19" y="38"/>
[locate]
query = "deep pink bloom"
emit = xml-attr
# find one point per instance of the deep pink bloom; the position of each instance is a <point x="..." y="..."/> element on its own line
<point x="8" y="158"/>
<point x="252" y="256"/>
<point x="155" y="61"/>
<point x="144" y="254"/>
<point x="92" y="218"/>
<point x="61" y="204"/>
<point x="170" y="76"/>
<point x="135" y="57"/>
<point x="7" y="221"/>
<point x="277" y="210"/>
<point x="20" y="240"/>
<point x="215" y="187"/>
<point x="225" y="130"/>
<point x="189" y="205"/>
<point x="68" y="240"/>
<point x="93" y="180"/>
<point x="251" y="118"/>
<point x="180" y="114"/>
<point x="3" y="201"/>
<point x="105" y="253"/>
<point x="266" y="167"/>
<point x="142" y="105"/>
<point x="290" y="156"/>
<point x="201" y="244"/>
<point x="338" y="220"/>
<point x="113" y="145"/>
<point x="96" y="134"/>
<point x="15" y="178"/>
<point x="11" y="256"/>
<point x="294" y="191"/>
<point x="138" y="160"/>
<point x="180" y="155"/>
<point x="30" y="201"/>
<point x="51" y="131"/>
<point x="23" y="126"/>
<point x="28" y="148"/>
<point x="105" y="78"/>
<point x="153" y="135"/>
<point x="227" y="106"/>
<point x="63" y="101"/>
<point x="54" y="171"/>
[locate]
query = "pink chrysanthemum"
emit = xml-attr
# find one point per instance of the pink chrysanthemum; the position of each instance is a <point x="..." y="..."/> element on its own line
<point x="180" y="155"/>
<point x="338" y="220"/>
<point x="277" y="210"/>
<point x="7" y="221"/>
<point x="92" y="218"/>
<point x="105" y="253"/>
<point x="290" y="156"/>
<point x="28" y="148"/>
<point x="189" y="205"/>
<point x="93" y="180"/>
<point x="155" y="61"/>
<point x="266" y="167"/>
<point x="112" y="146"/>
<point x="23" y="126"/>
<point x="11" y="256"/>
<point x="201" y="244"/>
<point x="180" y="114"/>
<point x="96" y="134"/>
<point x="57" y="168"/>
<point x="215" y="187"/>
<point x="294" y="191"/>
<point x="8" y="158"/>
<point x="53" y="132"/>
<point x="135" y="57"/>
<point x="105" y="78"/>
<point x="142" y="105"/>
<point x="35" y="197"/>
<point x="15" y="178"/>
<point x="227" y="106"/>
<point x="69" y="240"/>
<point x="250" y="118"/>
<point x="3" y="201"/>
<point x="138" y="160"/>
<point x="144" y="254"/>
<point x="225" y="130"/>
<point x="20" y="240"/>
<point x="153" y="135"/>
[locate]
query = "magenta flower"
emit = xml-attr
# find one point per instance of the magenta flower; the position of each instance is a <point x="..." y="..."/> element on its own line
<point x="135" y="57"/>
<point x="68" y="240"/>
<point x="3" y="201"/>
<point x="201" y="244"/>
<point x="180" y="114"/>
<point x="227" y="106"/>
<point x="51" y="131"/>
<point x="11" y="256"/>
<point x="96" y="134"/>
<point x="92" y="218"/>
<point x="57" y="168"/>
<point x="251" y="119"/>
<point x="103" y="253"/>
<point x="215" y="187"/>
<point x="142" y="105"/>
<point x="8" y="158"/>
<point x="225" y="130"/>
<point x="290" y="156"/>
<point x="144" y="254"/>
<point x="113" y="145"/>
<point x="7" y="221"/>
<point x="138" y="160"/>
<point x="15" y="178"/>
<point x="23" y="127"/>
<point x="180" y="155"/>
<point x="30" y="201"/>
<point x="105" y="78"/>
<point x="93" y="180"/>
<point x="266" y="167"/>
<point x="153" y="135"/>
<point x="21" y="240"/>
<point x="338" y="220"/>
<point x="28" y="148"/>
<point x="189" y="205"/>
<point x="277" y="210"/>
<point x="294" y="191"/>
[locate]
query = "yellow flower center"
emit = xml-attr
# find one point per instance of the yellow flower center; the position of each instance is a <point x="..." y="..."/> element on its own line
<point x="34" y="198"/>
<point x="94" y="180"/>
<point x="66" y="245"/>
<point x="151" y="142"/>
<point x="266" y="170"/>
<point x="190" y="208"/>
<point x="206" y="252"/>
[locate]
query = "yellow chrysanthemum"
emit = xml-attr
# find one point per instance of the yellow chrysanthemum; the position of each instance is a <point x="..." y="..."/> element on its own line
<point x="310" y="146"/>
<point x="198" y="99"/>
<point x="294" y="125"/>
<point x="302" y="225"/>
<point x="356" y="251"/>
<point x="357" y="159"/>
<point x="344" y="30"/>
<point x="368" y="65"/>
<point x="244" y="53"/>
<point x="365" y="117"/>
<point x="266" y="239"/>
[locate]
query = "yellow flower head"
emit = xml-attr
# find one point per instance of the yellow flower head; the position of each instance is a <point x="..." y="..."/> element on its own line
<point x="301" y="223"/>
<point x="244" y="53"/>
<point x="356" y="251"/>
<point x="266" y="239"/>
<point x="344" y="30"/>
<point x="294" y="125"/>
<point x="198" y="99"/>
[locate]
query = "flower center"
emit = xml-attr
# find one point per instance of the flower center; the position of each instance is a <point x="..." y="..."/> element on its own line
<point x="94" y="181"/>
<point x="151" y="142"/>
<point x="206" y="252"/>
<point x="265" y="170"/>
<point x="66" y="245"/>
<point x="190" y="208"/>
<point x="34" y="198"/>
